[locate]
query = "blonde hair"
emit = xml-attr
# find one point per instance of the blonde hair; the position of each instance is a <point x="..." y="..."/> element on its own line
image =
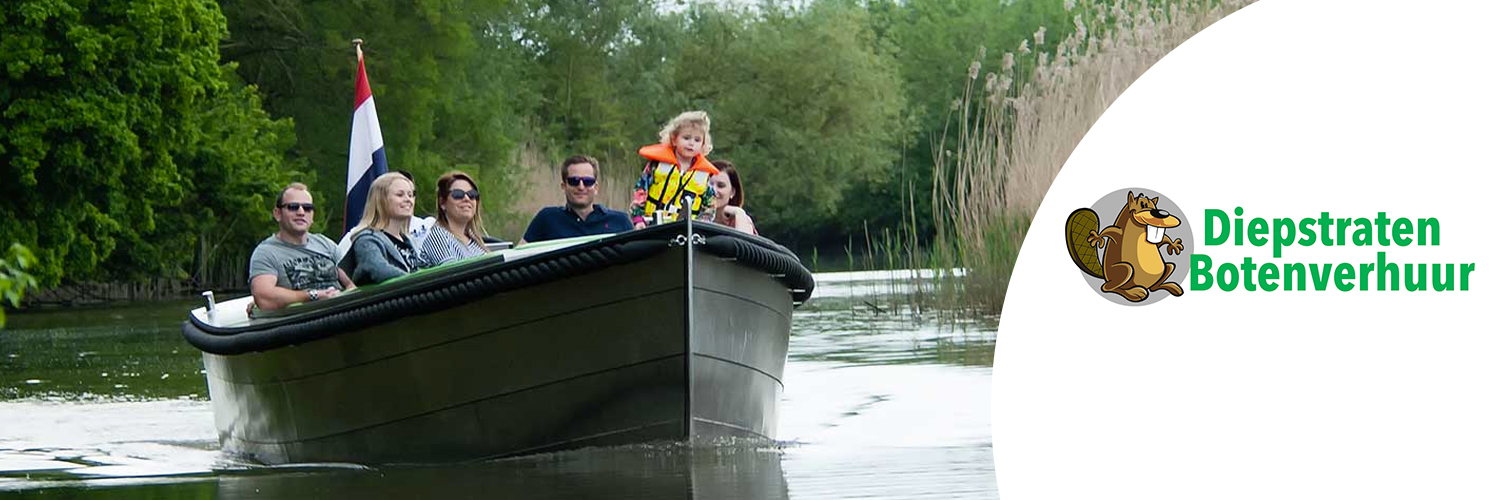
<point x="475" y="228"/>
<point x="375" y="214"/>
<point x="688" y="119"/>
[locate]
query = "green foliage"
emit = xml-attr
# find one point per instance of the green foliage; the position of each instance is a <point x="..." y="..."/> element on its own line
<point x="801" y="102"/>
<point x="443" y="91"/>
<point x="829" y="106"/>
<point x="14" y="280"/>
<point x="234" y="165"/>
<point x="134" y="151"/>
<point x="585" y="101"/>
<point x="95" y="96"/>
<point x="934" y="42"/>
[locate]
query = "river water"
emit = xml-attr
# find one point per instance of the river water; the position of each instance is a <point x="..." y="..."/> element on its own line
<point x="882" y="400"/>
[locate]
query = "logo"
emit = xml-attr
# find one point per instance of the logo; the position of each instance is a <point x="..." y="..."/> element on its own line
<point x="1385" y="273"/>
<point x="1132" y="259"/>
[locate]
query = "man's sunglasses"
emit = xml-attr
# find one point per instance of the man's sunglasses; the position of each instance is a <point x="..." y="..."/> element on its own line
<point x="293" y="207"/>
<point x="459" y="194"/>
<point x="586" y="181"/>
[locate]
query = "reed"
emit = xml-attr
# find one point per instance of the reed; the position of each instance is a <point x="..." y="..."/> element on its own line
<point x="541" y="187"/>
<point x="1010" y="135"/>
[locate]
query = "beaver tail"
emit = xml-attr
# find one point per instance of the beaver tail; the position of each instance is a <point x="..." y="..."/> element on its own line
<point x="1080" y="222"/>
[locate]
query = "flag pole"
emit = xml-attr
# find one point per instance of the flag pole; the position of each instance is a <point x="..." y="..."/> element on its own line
<point x="359" y="58"/>
<point x="366" y="145"/>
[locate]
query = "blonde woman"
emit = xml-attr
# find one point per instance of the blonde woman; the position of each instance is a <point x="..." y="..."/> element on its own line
<point x="383" y="246"/>
<point x="459" y="232"/>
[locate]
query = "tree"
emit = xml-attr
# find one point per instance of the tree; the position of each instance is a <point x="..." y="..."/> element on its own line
<point x="444" y="90"/>
<point x="934" y="43"/>
<point x="94" y="98"/>
<point x="14" y="280"/>
<point x="585" y="102"/>
<point x="234" y="164"/>
<point x="802" y="103"/>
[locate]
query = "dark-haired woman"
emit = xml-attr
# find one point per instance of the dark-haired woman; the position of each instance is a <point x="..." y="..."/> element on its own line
<point x="459" y="232"/>
<point x="729" y="198"/>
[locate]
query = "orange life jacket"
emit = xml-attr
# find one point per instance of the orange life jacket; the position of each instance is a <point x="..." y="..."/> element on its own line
<point x="669" y="182"/>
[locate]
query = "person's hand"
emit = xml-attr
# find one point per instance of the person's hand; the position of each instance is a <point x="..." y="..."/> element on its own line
<point x="732" y="211"/>
<point x="328" y="293"/>
<point x="640" y="225"/>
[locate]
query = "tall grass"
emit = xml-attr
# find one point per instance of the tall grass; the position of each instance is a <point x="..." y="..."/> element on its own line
<point x="541" y="186"/>
<point x="1011" y="134"/>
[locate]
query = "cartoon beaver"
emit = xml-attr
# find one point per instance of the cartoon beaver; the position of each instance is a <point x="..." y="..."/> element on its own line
<point x="1132" y="265"/>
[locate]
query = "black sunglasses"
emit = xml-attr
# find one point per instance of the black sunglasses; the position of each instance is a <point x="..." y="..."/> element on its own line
<point x="293" y="207"/>
<point x="458" y="194"/>
<point x="586" y="181"/>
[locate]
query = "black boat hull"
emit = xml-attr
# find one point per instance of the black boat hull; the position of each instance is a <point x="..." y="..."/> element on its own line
<point x="620" y="354"/>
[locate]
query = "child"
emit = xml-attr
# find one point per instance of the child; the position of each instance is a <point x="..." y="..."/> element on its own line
<point x="684" y="141"/>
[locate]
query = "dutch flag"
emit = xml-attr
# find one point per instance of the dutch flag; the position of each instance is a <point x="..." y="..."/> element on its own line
<point x="366" y="149"/>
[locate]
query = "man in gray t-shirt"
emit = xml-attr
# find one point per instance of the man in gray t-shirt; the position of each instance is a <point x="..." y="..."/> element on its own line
<point x="297" y="267"/>
<point x="293" y="266"/>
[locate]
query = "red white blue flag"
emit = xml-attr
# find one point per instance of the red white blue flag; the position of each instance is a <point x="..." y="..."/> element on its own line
<point x="366" y="149"/>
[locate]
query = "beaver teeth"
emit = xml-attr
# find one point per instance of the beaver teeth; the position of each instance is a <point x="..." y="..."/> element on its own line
<point x="1154" y="234"/>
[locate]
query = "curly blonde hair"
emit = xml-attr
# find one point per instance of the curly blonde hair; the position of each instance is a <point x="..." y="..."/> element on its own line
<point x="688" y="119"/>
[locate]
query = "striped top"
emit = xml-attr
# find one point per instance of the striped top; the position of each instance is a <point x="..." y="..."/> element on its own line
<point x="442" y="247"/>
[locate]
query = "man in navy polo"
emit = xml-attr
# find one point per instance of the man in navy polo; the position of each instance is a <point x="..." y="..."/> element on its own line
<point x="581" y="216"/>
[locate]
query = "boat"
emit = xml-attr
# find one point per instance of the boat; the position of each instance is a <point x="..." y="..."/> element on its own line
<point x="676" y="332"/>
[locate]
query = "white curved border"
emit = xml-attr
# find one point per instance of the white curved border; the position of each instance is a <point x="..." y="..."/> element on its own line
<point x="1289" y="108"/>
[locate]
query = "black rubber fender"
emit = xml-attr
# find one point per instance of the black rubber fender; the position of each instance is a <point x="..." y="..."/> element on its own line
<point x="496" y="276"/>
<point x="461" y="290"/>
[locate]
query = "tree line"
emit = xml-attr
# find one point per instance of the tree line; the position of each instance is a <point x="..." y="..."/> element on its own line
<point x="148" y="138"/>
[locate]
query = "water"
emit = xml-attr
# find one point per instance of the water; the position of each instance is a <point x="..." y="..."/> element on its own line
<point x="882" y="401"/>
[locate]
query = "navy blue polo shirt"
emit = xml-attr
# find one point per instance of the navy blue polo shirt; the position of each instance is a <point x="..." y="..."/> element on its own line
<point x="553" y="223"/>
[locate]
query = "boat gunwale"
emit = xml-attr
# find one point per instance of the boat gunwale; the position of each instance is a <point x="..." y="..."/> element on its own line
<point x="263" y="334"/>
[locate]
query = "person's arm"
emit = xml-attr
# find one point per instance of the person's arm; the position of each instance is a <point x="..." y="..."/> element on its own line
<point x="638" y="198"/>
<point x="740" y="219"/>
<point x="706" y="210"/>
<point x="270" y="297"/>
<point x="345" y="281"/>
<point x="744" y="223"/>
<point x="418" y="260"/>
<point x="372" y="263"/>
<point x="264" y="292"/>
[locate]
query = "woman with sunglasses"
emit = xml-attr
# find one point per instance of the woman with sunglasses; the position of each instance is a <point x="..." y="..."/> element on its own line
<point x="459" y="232"/>
<point x="383" y="247"/>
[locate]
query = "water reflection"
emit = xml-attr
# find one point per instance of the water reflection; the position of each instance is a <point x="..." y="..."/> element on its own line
<point x="664" y="471"/>
<point x="133" y="352"/>
<point x="882" y="400"/>
<point x="873" y="318"/>
<point x="669" y="472"/>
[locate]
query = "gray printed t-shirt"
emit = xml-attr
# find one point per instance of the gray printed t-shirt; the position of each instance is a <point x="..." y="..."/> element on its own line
<point x="297" y="267"/>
